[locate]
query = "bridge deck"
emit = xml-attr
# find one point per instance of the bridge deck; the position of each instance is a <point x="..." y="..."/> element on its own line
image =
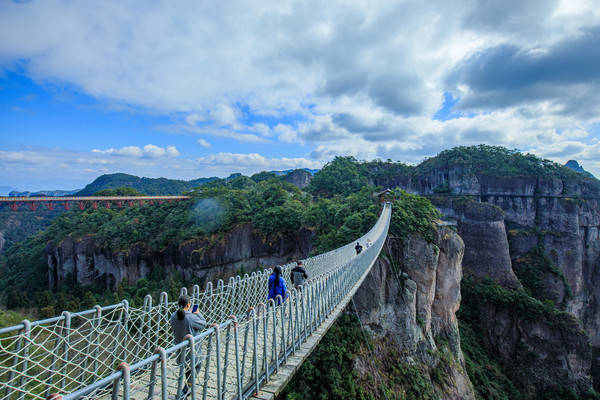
<point x="281" y="378"/>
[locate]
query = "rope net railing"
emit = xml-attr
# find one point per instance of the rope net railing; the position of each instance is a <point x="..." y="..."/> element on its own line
<point x="120" y="351"/>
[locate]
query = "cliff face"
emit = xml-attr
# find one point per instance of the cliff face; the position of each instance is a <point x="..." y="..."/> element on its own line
<point x="409" y="301"/>
<point x="506" y="221"/>
<point x="550" y="353"/>
<point x="298" y="177"/>
<point x="241" y="249"/>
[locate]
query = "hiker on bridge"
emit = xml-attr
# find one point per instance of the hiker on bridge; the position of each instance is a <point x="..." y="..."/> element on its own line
<point x="277" y="285"/>
<point x="358" y="248"/>
<point x="183" y="322"/>
<point x="298" y="275"/>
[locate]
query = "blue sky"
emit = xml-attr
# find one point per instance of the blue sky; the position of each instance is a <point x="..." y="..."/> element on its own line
<point x="186" y="90"/>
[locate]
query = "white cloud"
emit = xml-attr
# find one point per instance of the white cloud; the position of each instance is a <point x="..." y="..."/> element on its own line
<point x="225" y="115"/>
<point x="252" y="162"/>
<point x="204" y="143"/>
<point x="261" y="129"/>
<point x="286" y="134"/>
<point x="148" y="151"/>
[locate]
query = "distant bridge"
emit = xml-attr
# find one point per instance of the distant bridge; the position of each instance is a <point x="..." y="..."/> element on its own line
<point x="82" y="202"/>
<point x="250" y="350"/>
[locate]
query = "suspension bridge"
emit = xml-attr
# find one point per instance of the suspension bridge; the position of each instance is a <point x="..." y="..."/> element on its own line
<point x="50" y="202"/>
<point x="250" y="350"/>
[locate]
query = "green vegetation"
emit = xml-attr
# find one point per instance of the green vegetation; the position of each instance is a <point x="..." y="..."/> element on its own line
<point x="120" y="191"/>
<point x="15" y="226"/>
<point x="10" y="318"/>
<point x="491" y="379"/>
<point x="497" y="161"/>
<point x="534" y="269"/>
<point x="147" y="186"/>
<point x="517" y="300"/>
<point x="342" y="176"/>
<point x="330" y="372"/>
<point x="384" y="171"/>
<point x="413" y="213"/>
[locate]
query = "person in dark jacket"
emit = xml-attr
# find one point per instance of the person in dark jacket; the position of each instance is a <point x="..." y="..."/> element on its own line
<point x="277" y="285"/>
<point x="298" y="275"/>
<point x="184" y="322"/>
<point x="358" y="248"/>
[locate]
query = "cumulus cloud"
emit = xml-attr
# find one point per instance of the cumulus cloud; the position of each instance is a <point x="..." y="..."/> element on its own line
<point x="508" y="75"/>
<point x="148" y="151"/>
<point x="204" y="143"/>
<point x="251" y="163"/>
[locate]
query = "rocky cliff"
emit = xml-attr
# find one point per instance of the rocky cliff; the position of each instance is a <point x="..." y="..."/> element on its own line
<point x="243" y="249"/>
<point x="534" y="231"/>
<point x="298" y="177"/>
<point x="409" y="301"/>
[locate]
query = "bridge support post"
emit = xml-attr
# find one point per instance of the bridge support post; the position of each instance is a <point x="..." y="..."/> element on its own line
<point x="283" y="341"/>
<point x="14" y="206"/>
<point x="237" y="356"/>
<point x="255" y="344"/>
<point x="27" y="328"/>
<point x="192" y="361"/>
<point x="61" y="332"/>
<point x="218" y="360"/>
<point x="67" y="316"/>
<point x="97" y="339"/>
<point x="124" y="352"/>
<point x="125" y="376"/>
<point x="265" y="344"/>
<point x="81" y="205"/>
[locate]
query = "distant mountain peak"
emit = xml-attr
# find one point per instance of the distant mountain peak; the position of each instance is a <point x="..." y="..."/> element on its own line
<point x="574" y="165"/>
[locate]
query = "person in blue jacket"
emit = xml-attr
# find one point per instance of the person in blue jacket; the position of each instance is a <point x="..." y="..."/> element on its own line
<point x="277" y="285"/>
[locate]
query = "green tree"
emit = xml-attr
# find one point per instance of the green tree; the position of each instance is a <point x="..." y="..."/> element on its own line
<point x="342" y="176"/>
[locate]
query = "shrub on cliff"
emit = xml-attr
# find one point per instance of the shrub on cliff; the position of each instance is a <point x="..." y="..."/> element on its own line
<point x="412" y="213"/>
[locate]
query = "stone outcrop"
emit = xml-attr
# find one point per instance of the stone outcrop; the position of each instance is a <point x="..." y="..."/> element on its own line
<point x="299" y="178"/>
<point x="559" y="217"/>
<point x="551" y="353"/>
<point x="409" y="301"/>
<point x="243" y="249"/>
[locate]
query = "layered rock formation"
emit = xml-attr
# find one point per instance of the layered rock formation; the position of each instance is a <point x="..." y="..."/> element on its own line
<point x="243" y="249"/>
<point x="409" y="301"/>
<point x="502" y="221"/>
